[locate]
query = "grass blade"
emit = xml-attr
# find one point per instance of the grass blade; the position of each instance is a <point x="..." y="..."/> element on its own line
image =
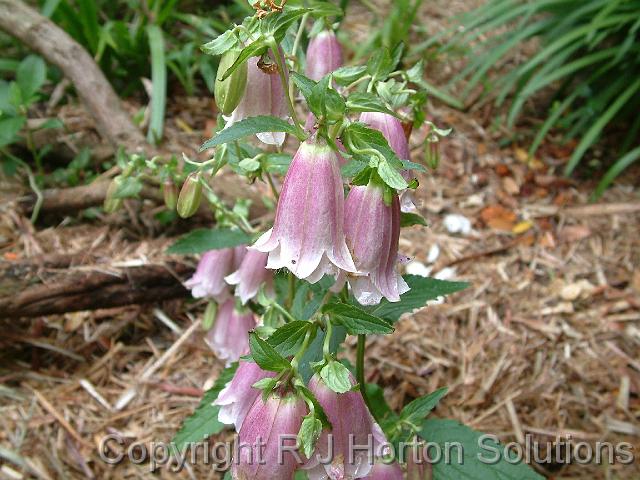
<point x="617" y="168"/>
<point x="159" y="82"/>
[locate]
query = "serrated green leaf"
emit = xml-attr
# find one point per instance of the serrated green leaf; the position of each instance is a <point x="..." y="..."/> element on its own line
<point x="204" y="420"/>
<point x="422" y="290"/>
<point x="205" y="239"/>
<point x="391" y="176"/>
<point x="367" y="102"/>
<point x="482" y="457"/>
<point x="336" y="376"/>
<point x="249" y="126"/>
<point x="357" y="321"/>
<point x="287" y="339"/>
<point x="410" y="219"/>
<point x="266" y="356"/>
<point x="252" y="50"/>
<point x="348" y="75"/>
<point x="419" y="408"/>
<point x="221" y="44"/>
<point x="304" y="84"/>
<point x="308" y="434"/>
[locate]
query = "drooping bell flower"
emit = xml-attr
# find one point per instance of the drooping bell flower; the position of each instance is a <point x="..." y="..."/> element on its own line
<point x="372" y="229"/>
<point x="229" y="336"/>
<point x="324" y="55"/>
<point x="251" y="274"/>
<point x="264" y="95"/>
<point x="267" y="439"/>
<point x="391" y="128"/>
<point x="238" y="395"/>
<point x="348" y="450"/>
<point x="208" y="280"/>
<point x="383" y="471"/>
<point x="308" y="233"/>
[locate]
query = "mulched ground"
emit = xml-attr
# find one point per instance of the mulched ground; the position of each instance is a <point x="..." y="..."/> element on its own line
<point x="545" y="342"/>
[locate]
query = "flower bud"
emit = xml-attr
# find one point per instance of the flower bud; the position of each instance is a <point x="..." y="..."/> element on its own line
<point x="190" y="196"/>
<point x="111" y="203"/>
<point x="237" y="397"/>
<point x="432" y="152"/>
<point x="324" y="55"/>
<point x="267" y="439"/>
<point x="170" y="194"/>
<point x="229" y="92"/>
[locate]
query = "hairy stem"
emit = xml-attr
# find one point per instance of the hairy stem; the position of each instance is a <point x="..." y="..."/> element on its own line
<point x="362" y="338"/>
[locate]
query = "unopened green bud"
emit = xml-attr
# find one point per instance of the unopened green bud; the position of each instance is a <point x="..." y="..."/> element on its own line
<point x="209" y="315"/>
<point x="230" y="91"/>
<point x="190" y="196"/>
<point x="111" y="203"/>
<point x="432" y="153"/>
<point x="170" y="194"/>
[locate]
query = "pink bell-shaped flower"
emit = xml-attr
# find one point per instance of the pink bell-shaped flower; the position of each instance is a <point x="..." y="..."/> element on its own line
<point x="238" y="395"/>
<point x="391" y="129"/>
<point x="264" y="95"/>
<point x="208" y="280"/>
<point x="251" y="274"/>
<point x="267" y="439"/>
<point x="383" y="471"/>
<point x="229" y="336"/>
<point x="348" y="450"/>
<point x="308" y="233"/>
<point x="372" y="229"/>
<point x="324" y="55"/>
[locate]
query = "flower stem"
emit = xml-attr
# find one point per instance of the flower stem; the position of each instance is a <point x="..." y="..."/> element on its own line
<point x="303" y="348"/>
<point x="362" y="338"/>
<point x="292" y="290"/>
<point x="285" y="86"/>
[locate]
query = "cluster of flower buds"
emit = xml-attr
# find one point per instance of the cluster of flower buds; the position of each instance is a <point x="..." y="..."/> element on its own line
<point x="216" y="273"/>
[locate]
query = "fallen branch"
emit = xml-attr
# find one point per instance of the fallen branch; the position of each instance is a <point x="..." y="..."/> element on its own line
<point x="57" y="47"/>
<point x="88" y="287"/>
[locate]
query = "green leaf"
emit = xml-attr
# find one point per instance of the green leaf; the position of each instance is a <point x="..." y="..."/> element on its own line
<point x="205" y="239"/>
<point x="410" y="219"/>
<point x="336" y="376"/>
<point x="422" y="290"/>
<point x="128" y="187"/>
<point x="277" y="23"/>
<point x="348" y="75"/>
<point x="252" y="50"/>
<point x="617" y="168"/>
<point x="308" y="434"/>
<point x="357" y="321"/>
<point x="419" y="408"/>
<point x="287" y="339"/>
<point x="391" y="176"/>
<point x="221" y="44"/>
<point x="159" y="83"/>
<point x="30" y="76"/>
<point x="204" y="421"/>
<point x="304" y="84"/>
<point x="266" y="356"/>
<point x="249" y="126"/>
<point x="482" y="457"/>
<point x="381" y="64"/>
<point x="9" y="128"/>
<point x="367" y="102"/>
